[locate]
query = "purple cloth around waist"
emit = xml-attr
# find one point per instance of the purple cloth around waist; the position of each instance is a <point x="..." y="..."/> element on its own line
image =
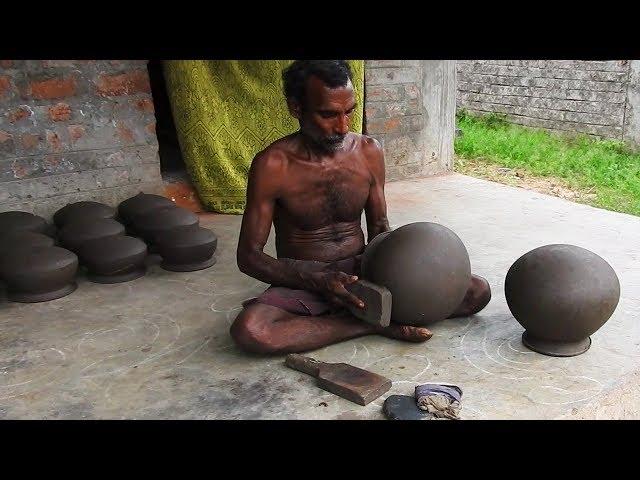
<point x="304" y="302"/>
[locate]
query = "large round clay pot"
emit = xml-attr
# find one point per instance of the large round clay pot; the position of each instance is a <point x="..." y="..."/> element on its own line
<point x="159" y="220"/>
<point x="24" y="221"/>
<point x="39" y="274"/>
<point x="76" y="232"/>
<point x="561" y="294"/>
<point x="114" y="259"/>
<point x="186" y="249"/>
<point x="140" y="204"/>
<point x="19" y="239"/>
<point x="369" y="252"/>
<point x="85" y="210"/>
<point x="426" y="268"/>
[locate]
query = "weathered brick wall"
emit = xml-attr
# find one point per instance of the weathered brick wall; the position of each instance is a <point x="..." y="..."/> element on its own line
<point x="406" y="119"/>
<point x="632" y="112"/>
<point x="75" y="130"/>
<point x="567" y="95"/>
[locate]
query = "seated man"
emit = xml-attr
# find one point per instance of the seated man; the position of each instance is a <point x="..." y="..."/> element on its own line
<point x="313" y="185"/>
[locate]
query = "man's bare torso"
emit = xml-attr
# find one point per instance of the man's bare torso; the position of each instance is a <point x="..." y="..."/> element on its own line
<point x="318" y="211"/>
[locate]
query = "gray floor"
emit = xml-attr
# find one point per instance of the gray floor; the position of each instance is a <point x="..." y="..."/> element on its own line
<point x="158" y="347"/>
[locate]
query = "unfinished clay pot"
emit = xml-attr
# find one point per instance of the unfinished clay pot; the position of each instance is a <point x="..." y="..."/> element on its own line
<point x="150" y="224"/>
<point x="114" y="259"/>
<point x="369" y="252"/>
<point x="186" y="249"/>
<point x="24" y="221"/>
<point x="84" y="210"/>
<point x="17" y="239"/>
<point x="140" y="204"/>
<point x="76" y="232"/>
<point x="426" y="268"/>
<point x="561" y="294"/>
<point x="39" y="274"/>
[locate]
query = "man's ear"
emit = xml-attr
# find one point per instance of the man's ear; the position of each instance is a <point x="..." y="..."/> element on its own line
<point x="294" y="108"/>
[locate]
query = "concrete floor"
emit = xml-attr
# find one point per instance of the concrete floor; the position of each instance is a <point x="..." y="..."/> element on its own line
<point x="158" y="347"/>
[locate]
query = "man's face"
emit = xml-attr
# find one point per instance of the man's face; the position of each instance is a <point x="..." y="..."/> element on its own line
<point x="326" y="114"/>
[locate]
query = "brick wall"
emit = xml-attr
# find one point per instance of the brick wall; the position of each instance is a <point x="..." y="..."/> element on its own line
<point x="402" y="110"/>
<point x="565" y="95"/>
<point x="75" y="130"/>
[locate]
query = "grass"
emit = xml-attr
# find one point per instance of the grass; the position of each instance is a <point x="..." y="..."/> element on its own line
<point x="607" y="169"/>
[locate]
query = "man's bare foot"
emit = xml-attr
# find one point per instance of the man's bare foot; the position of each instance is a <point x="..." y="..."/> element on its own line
<point x="406" y="333"/>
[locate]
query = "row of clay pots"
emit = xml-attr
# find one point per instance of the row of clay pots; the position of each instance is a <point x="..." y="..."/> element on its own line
<point x="92" y="236"/>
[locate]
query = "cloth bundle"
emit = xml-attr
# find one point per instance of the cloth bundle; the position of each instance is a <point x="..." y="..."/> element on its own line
<point x="442" y="401"/>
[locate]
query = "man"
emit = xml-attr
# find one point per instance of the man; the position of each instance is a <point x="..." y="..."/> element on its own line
<point x="313" y="185"/>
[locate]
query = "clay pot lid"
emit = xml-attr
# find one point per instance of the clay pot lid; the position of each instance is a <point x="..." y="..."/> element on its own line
<point x="76" y="232"/>
<point x="112" y="248"/>
<point x="142" y="203"/>
<point x="189" y="236"/>
<point x="23" y="238"/>
<point x="32" y="260"/>
<point x="82" y="210"/>
<point x="16" y="220"/>
<point x="165" y="218"/>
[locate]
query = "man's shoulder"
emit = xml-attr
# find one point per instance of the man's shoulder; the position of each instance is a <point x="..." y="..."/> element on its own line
<point x="369" y="145"/>
<point x="273" y="157"/>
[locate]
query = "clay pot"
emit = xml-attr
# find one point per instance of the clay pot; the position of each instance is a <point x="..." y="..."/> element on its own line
<point x="114" y="259"/>
<point x="24" y="221"/>
<point x="369" y="252"/>
<point x="140" y="204"/>
<point x="17" y="239"/>
<point x="83" y="211"/>
<point x="561" y="294"/>
<point x="426" y="268"/>
<point x="159" y="220"/>
<point x="39" y="274"/>
<point x="186" y="249"/>
<point x="76" y="232"/>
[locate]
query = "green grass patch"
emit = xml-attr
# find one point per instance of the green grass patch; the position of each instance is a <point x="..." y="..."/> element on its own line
<point x="608" y="168"/>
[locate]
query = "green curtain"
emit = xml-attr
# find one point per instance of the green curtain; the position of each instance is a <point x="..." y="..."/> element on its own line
<point x="227" y="111"/>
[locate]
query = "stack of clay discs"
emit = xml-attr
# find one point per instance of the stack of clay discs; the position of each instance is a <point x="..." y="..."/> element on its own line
<point x="138" y="205"/>
<point x="82" y="210"/>
<point x="90" y="230"/>
<point x="186" y="249"/>
<point x="33" y="269"/>
<point x="173" y="232"/>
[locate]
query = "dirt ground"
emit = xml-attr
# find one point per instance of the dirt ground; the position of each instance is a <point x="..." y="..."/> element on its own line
<point x="518" y="178"/>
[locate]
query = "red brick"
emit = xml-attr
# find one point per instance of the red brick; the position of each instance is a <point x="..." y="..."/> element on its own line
<point x="4" y="136"/>
<point x="151" y="128"/>
<point x="5" y="85"/>
<point x="6" y="63"/>
<point x="18" y="114"/>
<point x="136" y="81"/>
<point x="145" y="104"/>
<point x="75" y="132"/>
<point x="19" y="170"/>
<point x="392" y="124"/>
<point x="125" y="133"/>
<point x="54" y="141"/>
<point x="53" y="88"/>
<point x="30" y="141"/>
<point x="60" y="112"/>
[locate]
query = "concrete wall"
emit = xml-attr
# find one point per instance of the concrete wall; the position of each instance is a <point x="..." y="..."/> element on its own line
<point x="75" y="130"/>
<point x="564" y="95"/>
<point x="632" y="114"/>
<point x="410" y="109"/>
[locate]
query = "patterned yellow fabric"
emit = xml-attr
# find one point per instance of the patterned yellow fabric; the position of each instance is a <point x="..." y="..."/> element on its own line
<point x="227" y="111"/>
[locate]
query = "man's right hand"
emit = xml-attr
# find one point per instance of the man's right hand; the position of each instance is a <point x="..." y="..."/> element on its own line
<point x="331" y="284"/>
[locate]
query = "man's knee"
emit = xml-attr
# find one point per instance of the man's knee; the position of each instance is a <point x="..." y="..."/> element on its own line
<point x="251" y="333"/>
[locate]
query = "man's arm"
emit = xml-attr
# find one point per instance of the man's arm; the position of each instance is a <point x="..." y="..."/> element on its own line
<point x="376" y="206"/>
<point x="262" y="192"/>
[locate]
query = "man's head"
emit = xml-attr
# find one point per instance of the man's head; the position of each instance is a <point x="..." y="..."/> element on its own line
<point x="320" y="95"/>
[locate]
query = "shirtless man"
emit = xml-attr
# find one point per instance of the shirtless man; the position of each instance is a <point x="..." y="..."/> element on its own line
<point x="313" y="185"/>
